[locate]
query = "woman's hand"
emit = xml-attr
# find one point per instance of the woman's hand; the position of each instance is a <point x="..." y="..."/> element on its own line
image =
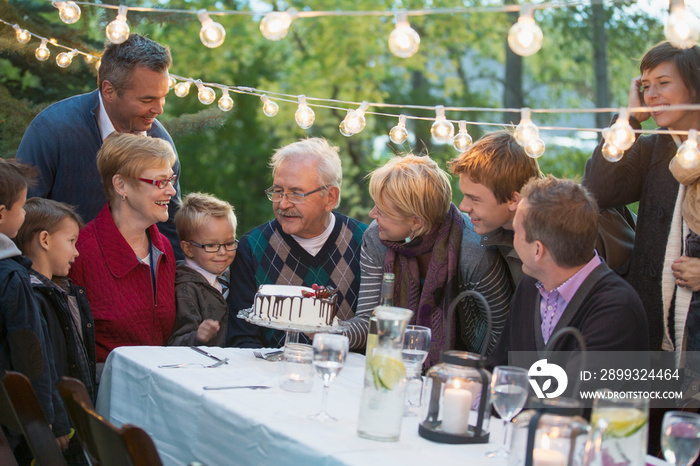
<point x="686" y="270"/>
<point x="63" y="441"/>
<point x="636" y="99"/>
<point x="207" y="330"/>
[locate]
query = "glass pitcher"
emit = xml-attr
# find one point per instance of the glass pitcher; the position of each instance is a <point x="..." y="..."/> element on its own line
<point x="381" y="405"/>
<point x="620" y="428"/>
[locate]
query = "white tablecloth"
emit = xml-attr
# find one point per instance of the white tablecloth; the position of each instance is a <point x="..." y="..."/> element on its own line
<point x="257" y="427"/>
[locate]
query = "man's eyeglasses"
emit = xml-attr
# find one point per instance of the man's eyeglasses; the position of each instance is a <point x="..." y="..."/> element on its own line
<point x="160" y="184"/>
<point x="294" y="198"/>
<point x="211" y="247"/>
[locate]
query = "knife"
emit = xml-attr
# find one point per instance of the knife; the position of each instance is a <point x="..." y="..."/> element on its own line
<point x="252" y="387"/>
<point x="201" y="351"/>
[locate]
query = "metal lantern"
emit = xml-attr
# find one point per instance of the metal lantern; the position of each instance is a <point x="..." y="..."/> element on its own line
<point x="459" y="408"/>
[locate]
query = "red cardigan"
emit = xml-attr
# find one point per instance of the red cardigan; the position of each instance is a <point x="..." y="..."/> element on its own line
<point x="119" y="287"/>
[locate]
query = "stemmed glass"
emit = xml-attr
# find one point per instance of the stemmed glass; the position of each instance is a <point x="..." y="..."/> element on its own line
<point x="509" y="389"/>
<point x="416" y="344"/>
<point x="680" y="437"/>
<point x="330" y="352"/>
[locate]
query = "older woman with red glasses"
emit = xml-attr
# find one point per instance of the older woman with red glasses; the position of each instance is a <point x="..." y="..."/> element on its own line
<point x="126" y="265"/>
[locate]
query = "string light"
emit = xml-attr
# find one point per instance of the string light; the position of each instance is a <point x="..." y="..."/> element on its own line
<point x="525" y="36"/>
<point x="97" y="65"/>
<point x="398" y="133"/>
<point x="212" y="34"/>
<point x="225" y="102"/>
<point x="463" y="139"/>
<point x="355" y="120"/>
<point x="118" y="30"/>
<point x="270" y="107"/>
<point x="621" y="134"/>
<point x="688" y="153"/>
<point x="42" y="52"/>
<point x="275" y="25"/>
<point x="442" y="130"/>
<point x="342" y="128"/>
<point x="22" y="35"/>
<point x="403" y="40"/>
<point x="171" y="82"/>
<point x="69" y="12"/>
<point x="612" y="153"/>
<point x="182" y="88"/>
<point x="304" y="116"/>
<point x="682" y="28"/>
<point x="64" y="59"/>
<point x="205" y="94"/>
<point x="526" y="131"/>
<point x="535" y="148"/>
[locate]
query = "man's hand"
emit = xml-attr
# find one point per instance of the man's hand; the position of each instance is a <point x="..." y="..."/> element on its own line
<point x="62" y="442"/>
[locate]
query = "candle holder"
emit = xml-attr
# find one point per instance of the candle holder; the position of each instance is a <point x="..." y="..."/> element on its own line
<point x="459" y="407"/>
<point x="297" y="370"/>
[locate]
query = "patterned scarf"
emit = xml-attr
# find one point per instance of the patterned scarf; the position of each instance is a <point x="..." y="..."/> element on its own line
<point x="441" y="280"/>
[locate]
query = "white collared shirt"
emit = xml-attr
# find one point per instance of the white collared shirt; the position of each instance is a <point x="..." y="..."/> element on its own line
<point x="208" y="276"/>
<point x="104" y="122"/>
<point x="313" y="245"/>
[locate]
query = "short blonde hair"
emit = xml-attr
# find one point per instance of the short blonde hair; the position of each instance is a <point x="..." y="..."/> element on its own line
<point x="328" y="164"/>
<point x="197" y="209"/>
<point x="415" y="186"/>
<point x="128" y="155"/>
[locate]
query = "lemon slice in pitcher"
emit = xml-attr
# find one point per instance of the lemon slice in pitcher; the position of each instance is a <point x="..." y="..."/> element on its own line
<point x="387" y="371"/>
<point x="622" y="422"/>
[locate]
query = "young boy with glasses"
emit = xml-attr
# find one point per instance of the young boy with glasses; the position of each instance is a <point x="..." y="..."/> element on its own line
<point x="206" y="227"/>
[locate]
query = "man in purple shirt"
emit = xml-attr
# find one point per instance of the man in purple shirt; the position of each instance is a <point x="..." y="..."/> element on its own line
<point x="566" y="283"/>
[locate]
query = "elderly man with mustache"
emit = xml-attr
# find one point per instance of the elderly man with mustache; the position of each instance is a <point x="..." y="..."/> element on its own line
<point x="307" y="243"/>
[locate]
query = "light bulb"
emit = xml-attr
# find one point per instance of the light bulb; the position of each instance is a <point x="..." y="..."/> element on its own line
<point x="442" y="130"/>
<point x="525" y="36"/>
<point x="398" y="133"/>
<point x="403" y="40"/>
<point x="88" y="58"/>
<point x="205" y="94"/>
<point x="69" y="12"/>
<point x="212" y="34"/>
<point x="343" y="128"/>
<point x="270" y="107"/>
<point x="612" y="153"/>
<point x="118" y="30"/>
<point x="225" y="102"/>
<point x="22" y="35"/>
<point x="64" y="59"/>
<point x="171" y="82"/>
<point x="463" y="140"/>
<point x="355" y="119"/>
<point x="182" y="88"/>
<point x="304" y="115"/>
<point x="42" y="52"/>
<point x="526" y="131"/>
<point x="535" y="148"/>
<point x="682" y="28"/>
<point x="97" y="65"/>
<point x="275" y="25"/>
<point x="621" y="134"/>
<point x="688" y="154"/>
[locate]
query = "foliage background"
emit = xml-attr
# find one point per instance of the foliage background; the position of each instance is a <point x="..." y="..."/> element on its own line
<point x="460" y="63"/>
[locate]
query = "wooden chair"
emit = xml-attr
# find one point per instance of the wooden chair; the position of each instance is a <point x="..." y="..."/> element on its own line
<point x="20" y="411"/>
<point x="105" y="444"/>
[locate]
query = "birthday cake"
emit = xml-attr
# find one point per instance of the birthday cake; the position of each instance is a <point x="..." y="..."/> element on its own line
<point x="298" y="305"/>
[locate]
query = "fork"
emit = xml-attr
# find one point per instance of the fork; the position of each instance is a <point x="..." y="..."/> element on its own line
<point x="190" y="364"/>
<point x="271" y="356"/>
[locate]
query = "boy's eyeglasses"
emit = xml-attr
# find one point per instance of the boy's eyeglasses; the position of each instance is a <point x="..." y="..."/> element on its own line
<point x="160" y="184"/>
<point x="211" y="247"/>
<point x="294" y="198"/>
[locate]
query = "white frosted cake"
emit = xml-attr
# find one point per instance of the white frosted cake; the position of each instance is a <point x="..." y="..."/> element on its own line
<point x="297" y="305"/>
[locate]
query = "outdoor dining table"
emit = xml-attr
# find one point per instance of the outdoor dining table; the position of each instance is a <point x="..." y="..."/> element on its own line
<point x="257" y="427"/>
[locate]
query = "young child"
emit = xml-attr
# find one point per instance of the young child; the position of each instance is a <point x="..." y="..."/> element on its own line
<point x="206" y="227"/>
<point x="23" y="343"/>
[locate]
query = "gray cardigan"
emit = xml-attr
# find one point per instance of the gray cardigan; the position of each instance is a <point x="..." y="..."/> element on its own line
<point x="481" y="269"/>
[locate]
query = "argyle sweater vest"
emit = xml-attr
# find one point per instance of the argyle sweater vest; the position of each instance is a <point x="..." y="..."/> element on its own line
<point x="267" y="255"/>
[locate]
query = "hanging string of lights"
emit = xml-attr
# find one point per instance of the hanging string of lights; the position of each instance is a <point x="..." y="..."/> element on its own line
<point x="524" y="38"/>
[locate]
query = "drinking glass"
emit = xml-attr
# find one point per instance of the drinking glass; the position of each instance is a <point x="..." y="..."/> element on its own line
<point x="623" y="424"/>
<point x="680" y="437"/>
<point x="509" y="389"/>
<point x="416" y="344"/>
<point x="330" y="352"/>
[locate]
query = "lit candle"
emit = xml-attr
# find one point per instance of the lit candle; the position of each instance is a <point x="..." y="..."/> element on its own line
<point x="456" y="405"/>
<point x="546" y="457"/>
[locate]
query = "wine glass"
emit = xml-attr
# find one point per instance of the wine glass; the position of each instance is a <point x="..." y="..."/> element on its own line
<point x="509" y="389"/>
<point x="330" y="352"/>
<point x="416" y="344"/>
<point x="680" y="437"/>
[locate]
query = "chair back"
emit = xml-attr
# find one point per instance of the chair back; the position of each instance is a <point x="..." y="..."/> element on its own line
<point x="105" y="444"/>
<point x="20" y="411"/>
